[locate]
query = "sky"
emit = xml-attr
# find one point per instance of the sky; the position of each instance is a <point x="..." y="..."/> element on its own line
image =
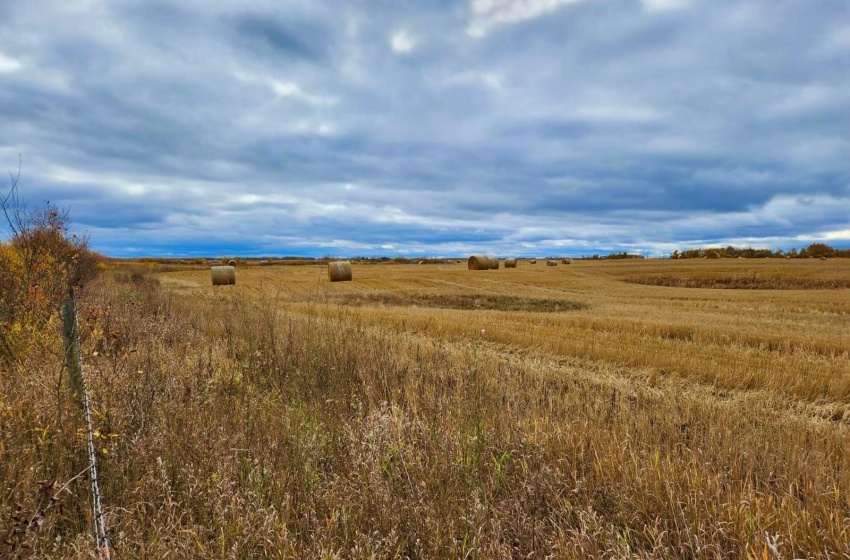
<point x="438" y="128"/>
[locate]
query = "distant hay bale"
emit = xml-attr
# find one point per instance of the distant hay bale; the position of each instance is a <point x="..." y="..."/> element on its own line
<point x="712" y="255"/>
<point x="421" y="262"/>
<point x="565" y="261"/>
<point x="339" y="271"/>
<point x="223" y="275"/>
<point x="823" y="258"/>
<point x="510" y="263"/>
<point x="482" y="262"/>
<point x="532" y="261"/>
<point x="551" y="263"/>
<point x="478" y="262"/>
<point x="231" y="262"/>
<point x="787" y="256"/>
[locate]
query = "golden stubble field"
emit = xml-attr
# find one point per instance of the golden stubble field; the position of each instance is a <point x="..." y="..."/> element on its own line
<point x="429" y="411"/>
<point x="792" y="342"/>
<point x="587" y="410"/>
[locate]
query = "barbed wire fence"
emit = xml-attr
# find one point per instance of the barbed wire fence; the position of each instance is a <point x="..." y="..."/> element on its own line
<point x="74" y="362"/>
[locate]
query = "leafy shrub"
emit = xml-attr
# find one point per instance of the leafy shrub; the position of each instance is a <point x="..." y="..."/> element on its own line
<point x="40" y="263"/>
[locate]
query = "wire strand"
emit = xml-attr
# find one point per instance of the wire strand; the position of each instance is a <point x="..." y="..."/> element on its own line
<point x="98" y="517"/>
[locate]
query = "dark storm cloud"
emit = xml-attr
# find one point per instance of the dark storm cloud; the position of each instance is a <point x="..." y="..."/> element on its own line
<point x="533" y="126"/>
<point x="297" y="39"/>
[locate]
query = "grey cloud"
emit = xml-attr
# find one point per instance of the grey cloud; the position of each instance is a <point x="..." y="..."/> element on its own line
<point x="296" y="39"/>
<point x="599" y="124"/>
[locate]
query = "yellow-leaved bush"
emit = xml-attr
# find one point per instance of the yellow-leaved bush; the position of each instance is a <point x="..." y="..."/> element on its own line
<point x="38" y="267"/>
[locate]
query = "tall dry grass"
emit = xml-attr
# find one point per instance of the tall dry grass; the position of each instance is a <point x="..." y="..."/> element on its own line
<point x="235" y="428"/>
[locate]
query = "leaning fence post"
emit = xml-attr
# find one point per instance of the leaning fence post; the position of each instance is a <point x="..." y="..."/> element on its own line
<point x="73" y="357"/>
<point x="74" y="361"/>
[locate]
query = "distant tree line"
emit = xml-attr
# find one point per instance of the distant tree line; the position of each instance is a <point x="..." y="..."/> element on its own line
<point x="613" y="256"/>
<point x="815" y="250"/>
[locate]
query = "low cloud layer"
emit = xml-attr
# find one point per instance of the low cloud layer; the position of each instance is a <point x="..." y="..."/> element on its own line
<point x="522" y="127"/>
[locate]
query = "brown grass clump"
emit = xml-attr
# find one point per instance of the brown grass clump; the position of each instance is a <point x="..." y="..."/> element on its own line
<point x="339" y="271"/>
<point x="223" y="275"/>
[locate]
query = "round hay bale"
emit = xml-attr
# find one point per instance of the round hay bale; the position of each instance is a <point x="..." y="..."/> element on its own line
<point x="421" y="262"/>
<point x="565" y="261"/>
<point x="479" y="262"/>
<point x="494" y="263"/>
<point x="231" y="262"/>
<point x="712" y="255"/>
<point x="339" y="271"/>
<point x="510" y="263"/>
<point x="223" y="275"/>
<point x="823" y="258"/>
<point x="532" y="261"/>
<point x="551" y="263"/>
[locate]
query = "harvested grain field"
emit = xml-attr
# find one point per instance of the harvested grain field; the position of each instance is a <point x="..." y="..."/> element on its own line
<point x="792" y="342"/>
<point x="578" y="411"/>
<point x="437" y="412"/>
